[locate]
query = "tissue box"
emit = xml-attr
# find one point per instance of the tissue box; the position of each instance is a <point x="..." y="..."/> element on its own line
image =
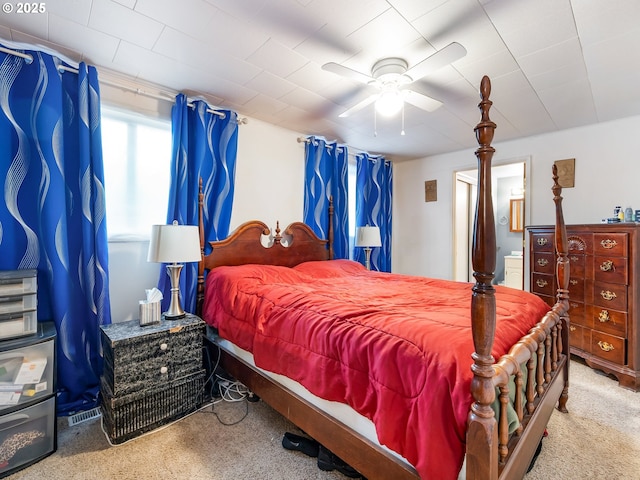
<point x="149" y="313"/>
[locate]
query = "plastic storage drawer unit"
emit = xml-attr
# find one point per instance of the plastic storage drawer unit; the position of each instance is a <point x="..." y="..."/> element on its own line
<point x="18" y="303"/>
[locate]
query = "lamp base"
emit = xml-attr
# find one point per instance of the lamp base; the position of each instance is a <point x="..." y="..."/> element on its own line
<point x="367" y="257"/>
<point x="175" y="311"/>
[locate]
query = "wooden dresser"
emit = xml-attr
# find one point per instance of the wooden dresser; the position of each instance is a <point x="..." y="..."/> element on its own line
<point x="603" y="293"/>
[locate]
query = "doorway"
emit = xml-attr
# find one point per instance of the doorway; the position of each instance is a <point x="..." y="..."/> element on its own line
<point x="510" y="203"/>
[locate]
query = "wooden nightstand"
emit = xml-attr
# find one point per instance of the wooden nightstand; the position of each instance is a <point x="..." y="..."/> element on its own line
<point x="152" y="374"/>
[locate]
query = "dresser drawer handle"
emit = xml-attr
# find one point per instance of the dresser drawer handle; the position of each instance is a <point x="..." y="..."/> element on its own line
<point x="608" y="244"/>
<point x="607" y="266"/>
<point x="543" y="262"/>
<point x="542" y="241"/>
<point x="573" y="258"/>
<point x="541" y="283"/>
<point x="573" y="281"/>
<point x="572" y="328"/>
<point x="608" y="295"/>
<point x="163" y="346"/>
<point x="573" y="305"/>
<point x="164" y="370"/>
<point x="605" y="346"/>
<point x="603" y="316"/>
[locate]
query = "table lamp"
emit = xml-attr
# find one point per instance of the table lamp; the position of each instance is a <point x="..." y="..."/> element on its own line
<point x="174" y="245"/>
<point x="368" y="237"/>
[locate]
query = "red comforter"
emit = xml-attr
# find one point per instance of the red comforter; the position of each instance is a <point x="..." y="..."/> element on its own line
<point x="396" y="348"/>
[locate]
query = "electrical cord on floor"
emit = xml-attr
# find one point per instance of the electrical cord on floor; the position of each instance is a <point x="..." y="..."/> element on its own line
<point x="228" y="390"/>
<point x="209" y="379"/>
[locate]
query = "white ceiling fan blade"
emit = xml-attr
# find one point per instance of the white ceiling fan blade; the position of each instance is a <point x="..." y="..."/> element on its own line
<point x="421" y="101"/>
<point x="347" y="72"/>
<point x="449" y="54"/>
<point x="359" y="106"/>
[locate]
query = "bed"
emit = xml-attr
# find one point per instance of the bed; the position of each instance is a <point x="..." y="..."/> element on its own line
<point x="401" y="377"/>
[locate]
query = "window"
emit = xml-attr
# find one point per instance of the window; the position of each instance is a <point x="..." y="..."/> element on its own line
<point x="137" y="162"/>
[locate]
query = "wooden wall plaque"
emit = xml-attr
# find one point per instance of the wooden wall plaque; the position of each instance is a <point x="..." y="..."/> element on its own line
<point x="431" y="191"/>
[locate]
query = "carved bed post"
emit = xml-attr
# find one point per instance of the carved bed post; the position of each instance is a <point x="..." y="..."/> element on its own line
<point x="562" y="274"/>
<point x="482" y="435"/>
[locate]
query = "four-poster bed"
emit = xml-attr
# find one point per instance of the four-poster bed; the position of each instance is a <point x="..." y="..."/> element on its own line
<point x="360" y="357"/>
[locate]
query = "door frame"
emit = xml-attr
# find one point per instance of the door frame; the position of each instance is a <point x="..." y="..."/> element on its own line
<point x="462" y="236"/>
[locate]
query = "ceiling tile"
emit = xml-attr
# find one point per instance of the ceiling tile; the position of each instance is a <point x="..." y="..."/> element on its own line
<point x="187" y="50"/>
<point x="185" y="15"/>
<point x="79" y="37"/>
<point x="277" y="59"/>
<point x="566" y="105"/>
<point x="261" y="103"/>
<point x="223" y="29"/>
<point x="270" y="85"/>
<point x="530" y="26"/>
<point x="74" y="10"/>
<point x="121" y="22"/>
<point x="596" y="23"/>
<point x="411" y="10"/>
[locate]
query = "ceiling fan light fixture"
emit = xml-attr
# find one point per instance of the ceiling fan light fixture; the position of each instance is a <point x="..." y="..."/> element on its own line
<point x="389" y="103"/>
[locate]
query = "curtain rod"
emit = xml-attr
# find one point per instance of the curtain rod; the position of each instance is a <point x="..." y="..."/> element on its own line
<point x="62" y="68"/>
<point x="306" y="140"/>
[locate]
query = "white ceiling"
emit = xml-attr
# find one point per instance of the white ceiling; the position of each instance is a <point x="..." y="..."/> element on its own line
<point x="554" y="64"/>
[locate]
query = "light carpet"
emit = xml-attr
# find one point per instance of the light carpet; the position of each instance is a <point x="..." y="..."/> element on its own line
<point x="598" y="439"/>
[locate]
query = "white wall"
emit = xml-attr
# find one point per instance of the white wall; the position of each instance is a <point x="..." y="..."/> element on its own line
<point x="269" y="175"/>
<point x="607" y="173"/>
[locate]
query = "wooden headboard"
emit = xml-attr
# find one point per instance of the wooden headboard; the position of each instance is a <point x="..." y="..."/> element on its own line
<point x="247" y="244"/>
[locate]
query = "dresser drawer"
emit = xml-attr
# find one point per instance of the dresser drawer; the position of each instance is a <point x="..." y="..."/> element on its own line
<point x="544" y="262"/>
<point x="607" y="320"/>
<point x="610" y="269"/>
<point x="614" y="244"/>
<point x="542" y="242"/>
<point x="610" y="296"/>
<point x="543" y="284"/>
<point x="577" y="313"/>
<point x="576" y="289"/>
<point x="608" y="347"/>
<point x="576" y="264"/>
<point x="579" y="337"/>
<point x="27" y="435"/>
<point x="137" y="358"/>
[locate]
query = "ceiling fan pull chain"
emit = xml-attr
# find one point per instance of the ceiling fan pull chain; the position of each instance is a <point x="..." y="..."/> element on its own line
<point x="402" y="131"/>
<point x="375" y="123"/>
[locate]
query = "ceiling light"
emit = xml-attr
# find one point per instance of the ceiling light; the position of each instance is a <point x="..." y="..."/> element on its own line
<point x="389" y="103"/>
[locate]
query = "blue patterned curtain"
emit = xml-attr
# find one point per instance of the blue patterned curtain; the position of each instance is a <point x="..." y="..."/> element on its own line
<point x="374" y="195"/>
<point x="53" y="215"/>
<point x="204" y="147"/>
<point x="326" y="176"/>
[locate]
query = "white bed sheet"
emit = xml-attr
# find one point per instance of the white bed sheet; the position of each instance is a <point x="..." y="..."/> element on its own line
<point x="340" y="411"/>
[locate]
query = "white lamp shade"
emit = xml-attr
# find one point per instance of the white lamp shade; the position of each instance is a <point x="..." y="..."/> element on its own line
<point x="368" y="237"/>
<point x="174" y="244"/>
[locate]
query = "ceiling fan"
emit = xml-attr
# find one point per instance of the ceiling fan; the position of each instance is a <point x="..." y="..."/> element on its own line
<point x="391" y="76"/>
